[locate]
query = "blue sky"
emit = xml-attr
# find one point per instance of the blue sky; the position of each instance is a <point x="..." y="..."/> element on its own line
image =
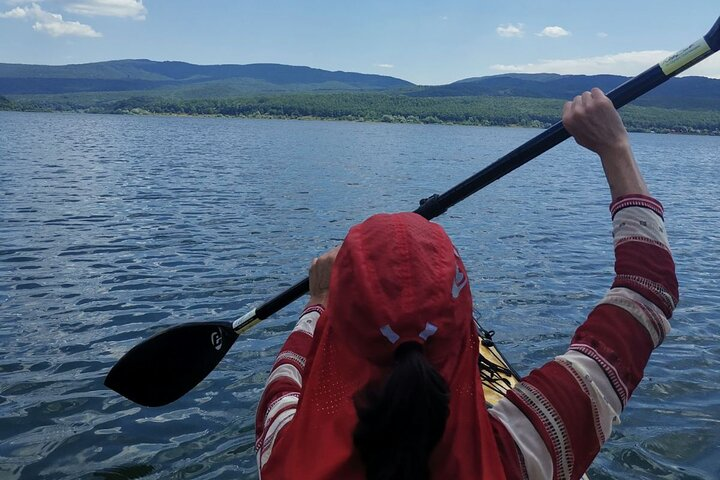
<point x="424" y="42"/>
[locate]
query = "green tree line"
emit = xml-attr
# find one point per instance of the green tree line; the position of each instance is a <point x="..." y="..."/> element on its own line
<point x="378" y="107"/>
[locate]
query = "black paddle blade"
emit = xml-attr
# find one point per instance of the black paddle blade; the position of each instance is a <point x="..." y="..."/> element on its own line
<point x="169" y="364"/>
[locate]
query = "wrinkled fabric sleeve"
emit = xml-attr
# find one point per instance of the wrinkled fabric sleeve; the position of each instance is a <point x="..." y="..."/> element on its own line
<point x="560" y="415"/>
<point x="283" y="387"/>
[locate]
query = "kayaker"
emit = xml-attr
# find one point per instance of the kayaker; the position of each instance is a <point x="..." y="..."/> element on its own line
<point x="379" y="378"/>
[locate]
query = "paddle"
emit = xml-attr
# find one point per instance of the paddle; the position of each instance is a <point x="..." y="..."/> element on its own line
<point x="163" y="368"/>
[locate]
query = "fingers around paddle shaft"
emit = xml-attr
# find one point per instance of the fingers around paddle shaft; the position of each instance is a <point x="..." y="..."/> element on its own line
<point x="320" y="271"/>
<point x="166" y="366"/>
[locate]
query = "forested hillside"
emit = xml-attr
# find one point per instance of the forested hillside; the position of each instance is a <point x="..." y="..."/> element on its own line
<point x="138" y="75"/>
<point x="379" y="107"/>
<point x="685" y="105"/>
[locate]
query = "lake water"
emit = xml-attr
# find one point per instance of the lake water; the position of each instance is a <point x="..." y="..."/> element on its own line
<point x="115" y="227"/>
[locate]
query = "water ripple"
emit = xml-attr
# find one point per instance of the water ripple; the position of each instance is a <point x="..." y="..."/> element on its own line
<point x="116" y="227"/>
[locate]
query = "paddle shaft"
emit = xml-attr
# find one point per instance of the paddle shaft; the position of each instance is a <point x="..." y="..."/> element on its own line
<point x="556" y="134"/>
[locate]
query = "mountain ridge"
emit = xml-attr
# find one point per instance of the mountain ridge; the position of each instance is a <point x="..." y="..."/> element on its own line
<point x="125" y="75"/>
<point x="98" y="86"/>
<point x="186" y="80"/>
<point x="683" y="92"/>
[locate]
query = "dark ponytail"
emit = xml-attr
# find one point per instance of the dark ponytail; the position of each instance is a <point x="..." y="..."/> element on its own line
<point x="401" y="421"/>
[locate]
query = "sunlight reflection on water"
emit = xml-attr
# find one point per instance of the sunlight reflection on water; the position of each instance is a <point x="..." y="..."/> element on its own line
<point x="115" y="227"/>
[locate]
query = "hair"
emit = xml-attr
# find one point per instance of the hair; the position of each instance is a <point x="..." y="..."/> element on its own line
<point x="402" y="420"/>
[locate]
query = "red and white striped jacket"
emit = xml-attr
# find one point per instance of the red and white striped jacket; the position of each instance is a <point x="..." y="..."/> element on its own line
<point x="554" y="422"/>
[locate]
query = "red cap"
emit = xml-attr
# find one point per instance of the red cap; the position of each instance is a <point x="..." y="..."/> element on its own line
<point x="398" y="278"/>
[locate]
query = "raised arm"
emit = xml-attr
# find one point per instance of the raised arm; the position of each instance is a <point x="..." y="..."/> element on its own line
<point x="559" y="416"/>
<point x="283" y="388"/>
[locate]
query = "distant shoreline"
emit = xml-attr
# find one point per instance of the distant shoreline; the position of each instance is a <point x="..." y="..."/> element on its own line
<point x="459" y="124"/>
<point x="375" y="108"/>
<point x="662" y="131"/>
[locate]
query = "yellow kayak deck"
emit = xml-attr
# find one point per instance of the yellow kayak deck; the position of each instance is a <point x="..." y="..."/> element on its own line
<point x="497" y="375"/>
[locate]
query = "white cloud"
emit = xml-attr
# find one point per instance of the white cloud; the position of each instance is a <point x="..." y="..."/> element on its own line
<point x="108" y="8"/>
<point x="16" y="12"/>
<point x="627" y="63"/>
<point x="385" y="65"/>
<point x="509" y="30"/>
<point x="553" y="32"/>
<point x="50" y="23"/>
<point x="95" y="8"/>
<point x="64" y="28"/>
<point x="601" y="35"/>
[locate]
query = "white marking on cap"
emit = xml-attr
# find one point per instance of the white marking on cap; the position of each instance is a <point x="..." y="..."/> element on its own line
<point x="430" y="330"/>
<point x="389" y="334"/>
<point x="459" y="282"/>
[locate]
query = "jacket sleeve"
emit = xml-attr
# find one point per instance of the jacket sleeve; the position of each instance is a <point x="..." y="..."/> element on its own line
<point x="283" y="388"/>
<point x="560" y="415"/>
